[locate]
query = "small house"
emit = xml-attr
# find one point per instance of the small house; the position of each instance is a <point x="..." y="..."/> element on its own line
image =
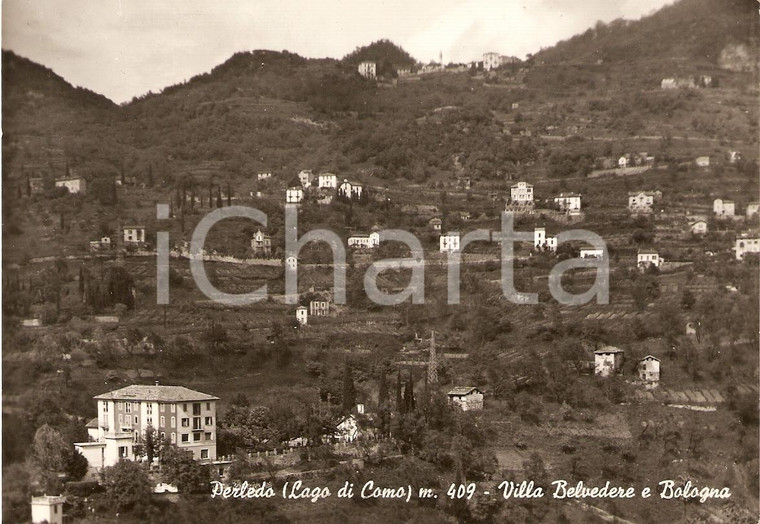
<point x="641" y="201"/>
<point x="368" y="70"/>
<point x="521" y="193"/>
<point x="291" y="263"/>
<point x="319" y="307"/>
<point x="305" y="176"/>
<point x="568" y="202"/>
<point x="590" y="252"/>
<point x="468" y="398"/>
<point x="449" y="243"/>
<point x="623" y="162"/>
<point x="435" y="224"/>
<point x="746" y="243"/>
<point x="74" y="185"/>
<point x="724" y="208"/>
<point x="698" y="227"/>
<point x="753" y="209"/>
<point x="649" y="369"/>
<point x="703" y="161"/>
<point x="133" y="235"/>
<point x="48" y="509"/>
<point x="263" y="176"/>
<point x="364" y="241"/>
<point x="103" y="243"/>
<point x="350" y="190"/>
<point x="646" y="258"/>
<point x="302" y="315"/>
<point x="541" y="241"/>
<point x="734" y="157"/>
<point x="491" y="61"/>
<point x="608" y="360"/>
<point x="294" y="195"/>
<point x="327" y="181"/>
<point x="261" y="243"/>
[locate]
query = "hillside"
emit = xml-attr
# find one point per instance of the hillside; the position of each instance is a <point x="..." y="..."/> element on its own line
<point x="688" y="32"/>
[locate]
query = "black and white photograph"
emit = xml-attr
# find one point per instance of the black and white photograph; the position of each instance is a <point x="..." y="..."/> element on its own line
<point x="340" y="261"/>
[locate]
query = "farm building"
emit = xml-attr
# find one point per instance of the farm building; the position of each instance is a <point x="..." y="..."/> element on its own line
<point x="608" y="360"/>
<point x="467" y="398"/>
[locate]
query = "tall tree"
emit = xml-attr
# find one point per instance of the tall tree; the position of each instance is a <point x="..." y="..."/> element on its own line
<point x="409" y="394"/>
<point x="399" y="399"/>
<point x="349" y="392"/>
<point x="127" y="485"/>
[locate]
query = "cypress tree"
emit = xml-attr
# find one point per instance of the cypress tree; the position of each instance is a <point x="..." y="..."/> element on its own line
<point x="349" y="392"/>
<point x="399" y="399"/>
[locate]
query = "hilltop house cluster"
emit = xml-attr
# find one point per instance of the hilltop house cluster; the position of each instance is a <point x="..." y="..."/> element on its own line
<point x="323" y="187"/>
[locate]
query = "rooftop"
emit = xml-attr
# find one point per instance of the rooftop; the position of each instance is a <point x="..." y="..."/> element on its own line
<point x="92" y="424"/>
<point x="608" y="349"/>
<point x="156" y="393"/>
<point x="463" y="390"/>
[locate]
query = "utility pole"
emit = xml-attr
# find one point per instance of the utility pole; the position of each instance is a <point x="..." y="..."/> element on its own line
<point x="432" y="376"/>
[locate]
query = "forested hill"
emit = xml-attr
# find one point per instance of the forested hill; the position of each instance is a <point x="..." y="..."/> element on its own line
<point x="23" y="78"/>
<point x="385" y="53"/>
<point x="688" y="30"/>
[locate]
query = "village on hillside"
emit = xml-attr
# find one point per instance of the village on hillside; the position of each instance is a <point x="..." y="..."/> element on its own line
<point x="142" y="371"/>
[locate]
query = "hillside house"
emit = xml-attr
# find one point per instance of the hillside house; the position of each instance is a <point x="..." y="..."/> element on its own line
<point x="261" y="243"/>
<point x="74" y="185"/>
<point x="515" y="105"/>
<point x="521" y="193"/>
<point x="133" y="235"/>
<point x="305" y="177"/>
<point x="263" y="176"/>
<point x="185" y="417"/>
<point x="590" y="252"/>
<point x="646" y="258"/>
<point x="368" y="70"/>
<point x="746" y="243"/>
<point x="753" y="209"/>
<point x="319" y="307"/>
<point x="724" y="208"/>
<point x="364" y="241"/>
<point x="491" y="61"/>
<point x="541" y="241"/>
<point x="302" y="315"/>
<point x="649" y="369"/>
<point x="608" y="360"/>
<point x="48" y="509"/>
<point x="734" y="157"/>
<point x="99" y="245"/>
<point x="435" y="224"/>
<point x="349" y="428"/>
<point x="294" y="195"/>
<point x="449" y="243"/>
<point x="641" y="202"/>
<point x="464" y="182"/>
<point x="568" y="202"/>
<point x="698" y="227"/>
<point x="291" y="263"/>
<point x="466" y="398"/>
<point x="350" y="190"/>
<point x="624" y="161"/>
<point x="678" y="83"/>
<point x="703" y="161"/>
<point x="327" y="181"/>
<point x="36" y="185"/>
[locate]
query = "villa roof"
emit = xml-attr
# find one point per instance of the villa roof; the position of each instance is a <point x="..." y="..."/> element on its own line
<point x="156" y="393"/>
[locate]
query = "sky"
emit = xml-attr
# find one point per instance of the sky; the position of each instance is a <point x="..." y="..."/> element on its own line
<point x="125" y="48"/>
